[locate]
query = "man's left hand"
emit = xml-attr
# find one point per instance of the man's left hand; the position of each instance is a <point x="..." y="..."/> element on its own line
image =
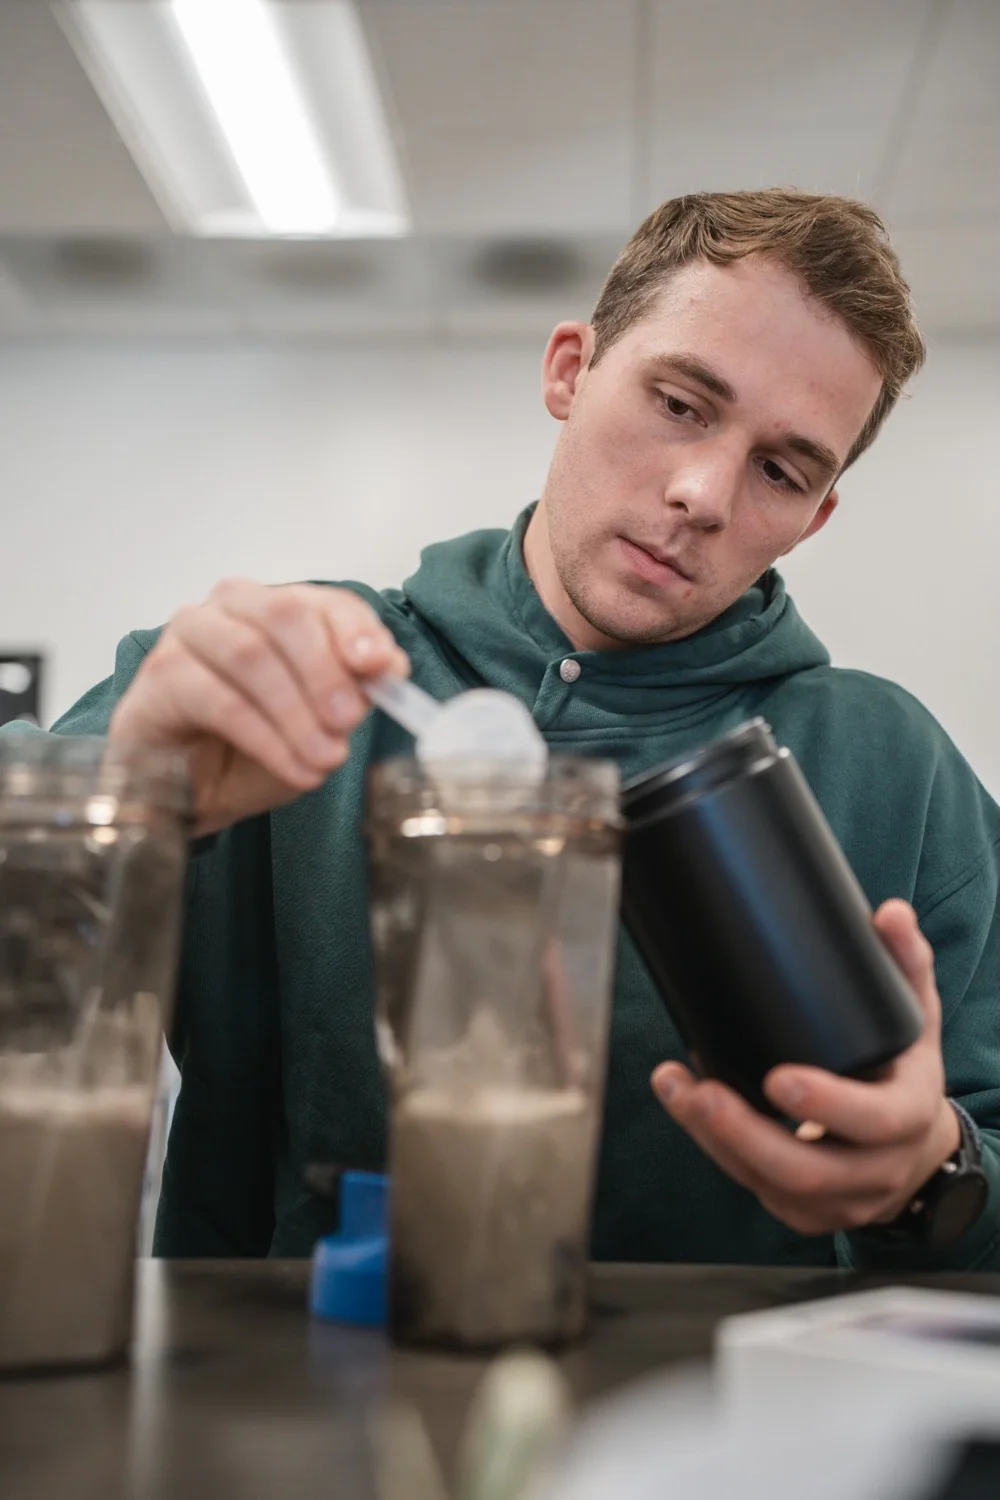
<point x="885" y="1138"/>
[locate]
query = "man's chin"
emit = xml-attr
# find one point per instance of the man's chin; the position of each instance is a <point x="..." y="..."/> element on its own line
<point x="629" y="624"/>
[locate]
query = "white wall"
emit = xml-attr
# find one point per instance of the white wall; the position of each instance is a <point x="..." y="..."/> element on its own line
<point x="905" y="579"/>
<point x="134" y="475"/>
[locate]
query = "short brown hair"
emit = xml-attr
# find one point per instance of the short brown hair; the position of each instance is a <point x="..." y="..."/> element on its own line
<point x="839" y="248"/>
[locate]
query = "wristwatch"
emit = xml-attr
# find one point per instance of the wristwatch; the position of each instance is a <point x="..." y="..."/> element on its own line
<point x="950" y="1201"/>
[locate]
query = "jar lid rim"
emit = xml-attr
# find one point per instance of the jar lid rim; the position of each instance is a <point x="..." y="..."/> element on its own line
<point x="573" y="785"/>
<point x="666" y="780"/>
<point x="34" y="763"/>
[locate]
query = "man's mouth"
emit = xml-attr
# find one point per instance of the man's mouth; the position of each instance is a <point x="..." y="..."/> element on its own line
<point x="654" y="563"/>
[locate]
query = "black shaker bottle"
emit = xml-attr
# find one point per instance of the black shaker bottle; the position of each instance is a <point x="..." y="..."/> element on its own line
<point x="751" y="921"/>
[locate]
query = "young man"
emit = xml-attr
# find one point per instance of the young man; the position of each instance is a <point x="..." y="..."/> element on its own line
<point x="745" y="350"/>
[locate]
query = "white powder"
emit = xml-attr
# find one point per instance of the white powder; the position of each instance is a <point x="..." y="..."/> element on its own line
<point x="71" y="1167"/>
<point x="490" y="1206"/>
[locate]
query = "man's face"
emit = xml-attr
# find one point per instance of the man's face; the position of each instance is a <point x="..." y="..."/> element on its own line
<point x="702" y="446"/>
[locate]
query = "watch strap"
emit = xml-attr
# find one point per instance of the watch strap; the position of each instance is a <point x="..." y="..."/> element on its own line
<point x="972" y="1139"/>
<point x="916" y="1222"/>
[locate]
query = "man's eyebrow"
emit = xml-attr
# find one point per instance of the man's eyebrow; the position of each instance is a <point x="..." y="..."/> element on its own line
<point x="823" y="457"/>
<point x="693" y="368"/>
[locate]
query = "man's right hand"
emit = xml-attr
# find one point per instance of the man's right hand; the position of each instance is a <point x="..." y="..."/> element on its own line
<point x="260" y="686"/>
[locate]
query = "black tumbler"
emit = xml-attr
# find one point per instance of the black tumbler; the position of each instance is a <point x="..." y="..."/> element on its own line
<point x="751" y="921"/>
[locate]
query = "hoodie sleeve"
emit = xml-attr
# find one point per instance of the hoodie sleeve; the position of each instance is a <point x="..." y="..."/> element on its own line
<point x="963" y="927"/>
<point x="91" y="714"/>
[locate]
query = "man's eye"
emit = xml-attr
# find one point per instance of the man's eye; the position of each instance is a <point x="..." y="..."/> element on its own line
<point x="775" y="474"/>
<point x="676" y="407"/>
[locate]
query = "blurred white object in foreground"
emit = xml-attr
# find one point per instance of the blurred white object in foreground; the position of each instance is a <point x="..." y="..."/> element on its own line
<point x="850" y="1398"/>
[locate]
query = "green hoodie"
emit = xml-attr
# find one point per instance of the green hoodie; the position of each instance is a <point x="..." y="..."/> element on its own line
<point x="273" y="1031"/>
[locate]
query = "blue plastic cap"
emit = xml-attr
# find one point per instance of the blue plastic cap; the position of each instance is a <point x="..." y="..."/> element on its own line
<point x="350" y="1269"/>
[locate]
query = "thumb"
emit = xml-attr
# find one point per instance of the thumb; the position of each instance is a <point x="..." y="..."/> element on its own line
<point x="896" y="924"/>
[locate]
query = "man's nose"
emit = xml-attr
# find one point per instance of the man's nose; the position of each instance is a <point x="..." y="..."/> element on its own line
<point x="704" y="483"/>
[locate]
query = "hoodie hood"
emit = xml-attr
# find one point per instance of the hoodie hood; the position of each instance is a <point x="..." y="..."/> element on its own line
<point x="474" y="599"/>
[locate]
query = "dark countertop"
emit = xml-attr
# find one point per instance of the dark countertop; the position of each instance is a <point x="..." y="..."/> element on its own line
<point x="233" y="1391"/>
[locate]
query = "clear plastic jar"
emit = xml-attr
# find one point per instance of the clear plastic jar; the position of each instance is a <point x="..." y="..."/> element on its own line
<point x="93" y="845"/>
<point x="494" y="911"/>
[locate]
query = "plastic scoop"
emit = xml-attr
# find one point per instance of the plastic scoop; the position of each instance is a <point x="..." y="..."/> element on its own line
<point x="473" y="727"/>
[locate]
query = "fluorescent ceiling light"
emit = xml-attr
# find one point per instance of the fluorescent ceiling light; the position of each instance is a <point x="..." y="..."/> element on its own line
<point x="246" y="116"/>
<point x="245" y="70"/>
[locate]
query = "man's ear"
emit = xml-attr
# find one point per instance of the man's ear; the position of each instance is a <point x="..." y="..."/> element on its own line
<point x="567" y="355"/>
<point x="818" y="521"/>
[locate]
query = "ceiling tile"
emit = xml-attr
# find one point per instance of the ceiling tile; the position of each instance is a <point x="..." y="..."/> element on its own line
<point x="948" y="167"/>
<point x="796" y="92"/>
<point x="783" y="62"/>
<point x="511" y="118"/>
<point x="577" y="182"/>
<point x="63" y="166"/>
<point x="814" y="159"/>
<point x="534" y="65"/>
<point x="961" y="81"/>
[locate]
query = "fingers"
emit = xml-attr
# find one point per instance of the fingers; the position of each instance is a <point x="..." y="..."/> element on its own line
<point x="676" y="1088"/>
<point x="290" y="659"/>
<point x="261" y="688"/>
<point x="200" y="698"/>
<point x="328" y="639"/>
<point x="723" y="1123"/>
<point x="760" y="1154"/>
<point x="896" y="1109"/>
<point x="867" y="1146"/>
<point x="897" y="926"/>
<point x="243" y="661"/>
<point x="367" y="646"/>
<point x="900" y="1106"/>
<point x="710" y="1112"/>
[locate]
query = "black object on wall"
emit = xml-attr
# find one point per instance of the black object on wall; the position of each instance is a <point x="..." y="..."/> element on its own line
<point x="21" y="686"/>
<point x="974" y="1473"/>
